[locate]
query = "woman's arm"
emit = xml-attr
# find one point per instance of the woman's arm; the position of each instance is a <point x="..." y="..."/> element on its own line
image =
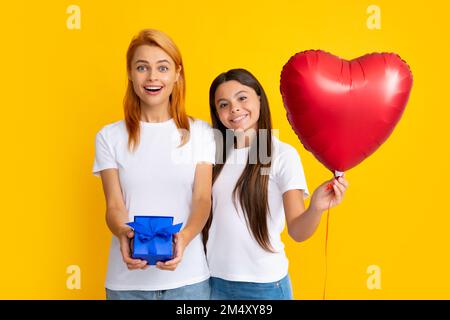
<point x="201" y="201"/>
<point x="116" y="213"/>
<point x="117" y="217"/>
<point x="303" y="223"/>
<point x="200" y="210"/>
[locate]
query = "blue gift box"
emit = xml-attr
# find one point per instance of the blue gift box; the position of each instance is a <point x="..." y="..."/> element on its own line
<point x="153" y="238"/>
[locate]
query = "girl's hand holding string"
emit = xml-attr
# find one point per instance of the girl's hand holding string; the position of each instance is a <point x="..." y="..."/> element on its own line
<point x="325" y="197"/>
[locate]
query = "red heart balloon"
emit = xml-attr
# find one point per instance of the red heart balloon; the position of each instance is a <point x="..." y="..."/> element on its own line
<point x="341" y="110"/>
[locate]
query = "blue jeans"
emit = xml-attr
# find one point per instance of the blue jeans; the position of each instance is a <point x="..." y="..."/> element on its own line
<point x="196" y="291"/>
<point x="235" y="290"/>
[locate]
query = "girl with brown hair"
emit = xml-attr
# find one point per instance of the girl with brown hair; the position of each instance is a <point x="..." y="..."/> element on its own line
<point x="258" y="186"/>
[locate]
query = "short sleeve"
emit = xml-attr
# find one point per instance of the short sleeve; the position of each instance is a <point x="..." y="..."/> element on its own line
<point x="104" y="156"/>
<point x="289" y="171"/>
<point x="205" y="145"/>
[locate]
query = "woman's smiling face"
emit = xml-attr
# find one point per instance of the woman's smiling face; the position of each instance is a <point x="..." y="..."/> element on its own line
<point x="237" y="105"/>
<point x="153" y="73"/>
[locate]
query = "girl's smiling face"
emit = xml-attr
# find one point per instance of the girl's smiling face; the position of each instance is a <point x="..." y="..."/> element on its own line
<point x="237" y="106"/>
<point x="153" y="73"/>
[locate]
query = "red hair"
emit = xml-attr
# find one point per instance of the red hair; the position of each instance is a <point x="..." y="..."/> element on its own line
<point x="131" y="101"/>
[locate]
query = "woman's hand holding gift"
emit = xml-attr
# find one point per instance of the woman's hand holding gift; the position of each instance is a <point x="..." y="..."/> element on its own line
<point x="180" y="242"/>
<point x="125" y="238"/>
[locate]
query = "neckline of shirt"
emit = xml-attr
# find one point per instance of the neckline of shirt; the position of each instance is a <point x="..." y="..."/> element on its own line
<point x="145" y="124"/>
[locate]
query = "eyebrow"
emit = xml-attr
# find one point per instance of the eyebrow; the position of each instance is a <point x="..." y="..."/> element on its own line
<point x="234" y="95"/>
<point x="145" y="61"/>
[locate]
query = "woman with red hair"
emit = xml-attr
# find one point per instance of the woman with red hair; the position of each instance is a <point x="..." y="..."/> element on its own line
<point x="157" y="161"/>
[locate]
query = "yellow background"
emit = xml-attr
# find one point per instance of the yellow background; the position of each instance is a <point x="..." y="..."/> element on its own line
<point x="60" y="86"/>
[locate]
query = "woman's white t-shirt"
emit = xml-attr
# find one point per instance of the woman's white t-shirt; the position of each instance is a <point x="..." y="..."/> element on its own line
<point x="157" y="179"/>
<point x="232" y="252"/>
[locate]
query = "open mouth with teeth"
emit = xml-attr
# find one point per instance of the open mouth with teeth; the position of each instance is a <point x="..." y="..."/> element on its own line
<point x="237" y="119"/>
<point x="153" y="89"/>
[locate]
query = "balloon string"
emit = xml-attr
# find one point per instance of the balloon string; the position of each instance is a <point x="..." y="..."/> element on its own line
<point x="326" y="251"/>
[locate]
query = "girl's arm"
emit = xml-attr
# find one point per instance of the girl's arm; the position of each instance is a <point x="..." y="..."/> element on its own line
<point x="117" y="217"/>
<point x="303" y="223"/>
<point x="200" y="210"/>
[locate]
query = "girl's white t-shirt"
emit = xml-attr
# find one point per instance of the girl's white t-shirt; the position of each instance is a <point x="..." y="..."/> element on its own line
<point x="232" y="252"/>
<point x="157" y="179"/>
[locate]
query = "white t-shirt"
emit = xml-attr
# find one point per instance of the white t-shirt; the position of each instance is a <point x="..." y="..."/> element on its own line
<point x="232" y="252"/>
<point x="156" y="180"/>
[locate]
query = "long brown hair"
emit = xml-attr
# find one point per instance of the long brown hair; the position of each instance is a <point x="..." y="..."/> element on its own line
<point x="131" y="102"/>
<point x="252" y="187"/>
